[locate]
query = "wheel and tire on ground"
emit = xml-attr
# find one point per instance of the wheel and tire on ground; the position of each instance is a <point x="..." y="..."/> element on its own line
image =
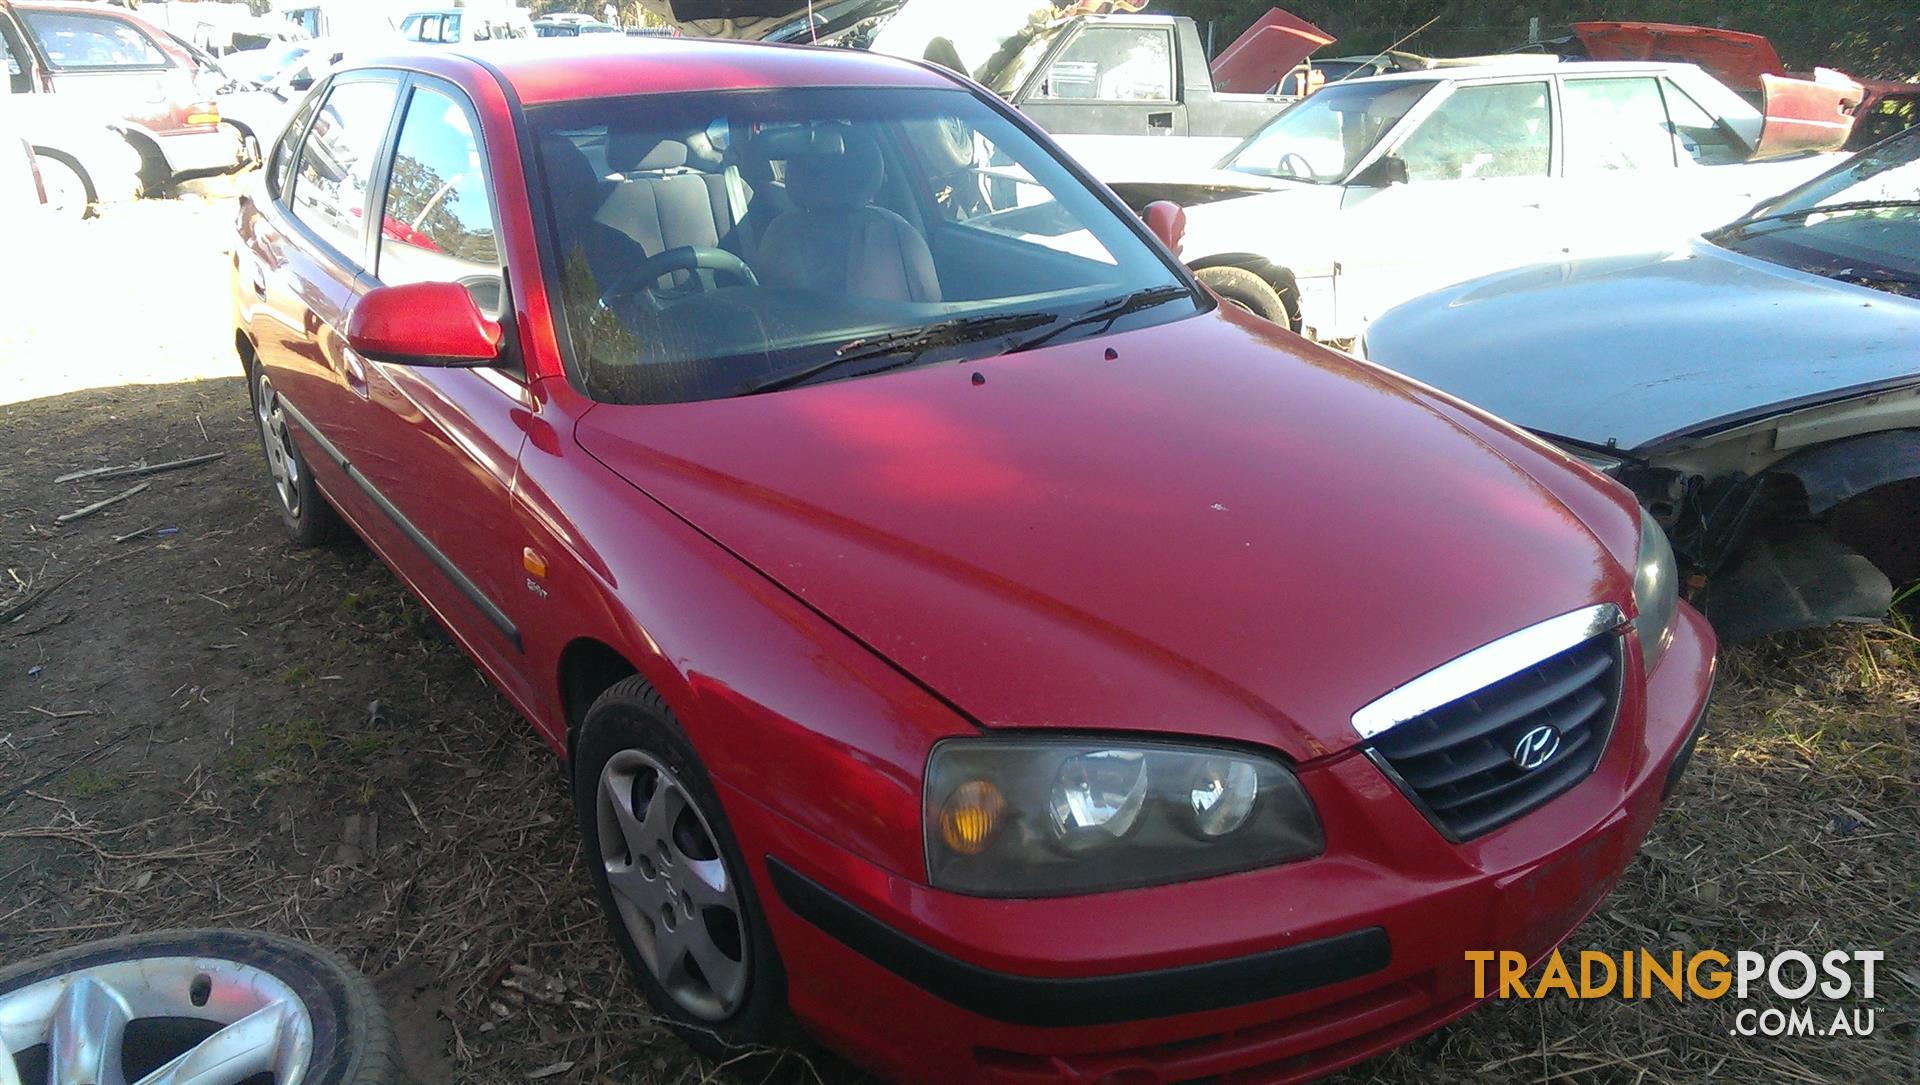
<point x="1238" y="286"/>
<point x="69" y="192"/>
<point x="309" y="519"/>
<point x="671" y="879"/>
<point x="216" y="1007"/>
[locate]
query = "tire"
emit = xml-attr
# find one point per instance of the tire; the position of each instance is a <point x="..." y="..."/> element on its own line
<point x="310" y="520"/>
<point x="1241" y="287"/>
<point x="188" y="986"/>
<point x="69" y="191"/>
<point x="630" y="745"/>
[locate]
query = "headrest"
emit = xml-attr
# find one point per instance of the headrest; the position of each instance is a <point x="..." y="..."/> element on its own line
<point x="833" y="170"/>
<point x="574" y="188"/>
<point x="632" y="152"/>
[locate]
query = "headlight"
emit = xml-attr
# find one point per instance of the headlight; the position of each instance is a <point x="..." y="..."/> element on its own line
<point x="1656" y="590"/>
<point x="1035" y="817"/>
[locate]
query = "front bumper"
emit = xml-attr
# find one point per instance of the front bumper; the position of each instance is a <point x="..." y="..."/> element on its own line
<point x="1274" y="975"/>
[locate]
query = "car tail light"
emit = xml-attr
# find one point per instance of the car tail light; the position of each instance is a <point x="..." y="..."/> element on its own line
<point x="203" y="113"/>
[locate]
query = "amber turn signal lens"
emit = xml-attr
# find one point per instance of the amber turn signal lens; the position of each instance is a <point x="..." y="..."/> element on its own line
<point x="970" y="816"/>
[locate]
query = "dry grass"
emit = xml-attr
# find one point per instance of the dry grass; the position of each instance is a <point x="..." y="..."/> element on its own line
<point x="198" y="748"/>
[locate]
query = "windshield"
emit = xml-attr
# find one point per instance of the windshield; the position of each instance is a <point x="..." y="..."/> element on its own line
<point x="713" y="244"/>
<point x="1859" y="223"/>
<point x="1323" y="137"/>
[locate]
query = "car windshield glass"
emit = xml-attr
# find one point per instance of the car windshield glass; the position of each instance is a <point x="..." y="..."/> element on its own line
<point x="1327" y="134"/>
<point x="1859" y="223"/>
<point x="716" y="244"/>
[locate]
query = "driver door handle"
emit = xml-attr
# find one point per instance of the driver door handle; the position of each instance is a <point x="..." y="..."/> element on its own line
<point x="1160" y="120"/>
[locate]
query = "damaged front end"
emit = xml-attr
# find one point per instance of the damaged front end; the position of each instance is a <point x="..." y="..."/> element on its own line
<point x="1821" y="534"/>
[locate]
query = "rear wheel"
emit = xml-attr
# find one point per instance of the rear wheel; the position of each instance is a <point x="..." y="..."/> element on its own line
<point x="69" y="194"/>
<point x="211" y="1007"/>
<point x="671" y="879"/>
<point x="309" y="519"/>
<point x="1238" y="286"/>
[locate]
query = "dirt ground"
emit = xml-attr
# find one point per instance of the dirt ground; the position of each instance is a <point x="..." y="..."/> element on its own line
<point x="202" y="726"/>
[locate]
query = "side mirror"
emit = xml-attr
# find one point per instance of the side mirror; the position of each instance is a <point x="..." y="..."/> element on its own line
<point x="1385" y="170"/>
<point x="423" y="324"/>
<point x="1168" y="221"/>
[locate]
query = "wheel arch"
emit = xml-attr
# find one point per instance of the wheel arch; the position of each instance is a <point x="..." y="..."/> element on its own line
<point x="588" y="667"/>
<point x="79" y="169"/>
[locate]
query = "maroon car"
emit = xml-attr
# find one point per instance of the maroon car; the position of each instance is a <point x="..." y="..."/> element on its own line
<point x="126" y="71"/>
<point x="965" y="636"/>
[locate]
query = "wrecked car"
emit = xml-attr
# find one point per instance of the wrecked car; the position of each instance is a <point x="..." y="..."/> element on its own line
<point x="1377" y="190"/>
<point x="964" y="636"/>
<point x="1748" y="63"/>
<point x="1114" y="86"/>
<point x="1758" y="387"/>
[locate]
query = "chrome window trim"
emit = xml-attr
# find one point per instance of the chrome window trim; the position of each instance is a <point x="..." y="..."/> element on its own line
<point x="1468" y="674"/>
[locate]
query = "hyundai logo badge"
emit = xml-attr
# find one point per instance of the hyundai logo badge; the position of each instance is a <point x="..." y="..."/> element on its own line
<point x="1536" y="748"/>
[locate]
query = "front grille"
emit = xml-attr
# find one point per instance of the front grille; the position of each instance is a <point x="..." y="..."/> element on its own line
<point x="1457" y="762"/>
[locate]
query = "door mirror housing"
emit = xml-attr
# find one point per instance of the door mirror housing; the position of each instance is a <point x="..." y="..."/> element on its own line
<point x="1385" y="171"/>
<point x="1168" y="222"/>
<point x="431" y="324"/>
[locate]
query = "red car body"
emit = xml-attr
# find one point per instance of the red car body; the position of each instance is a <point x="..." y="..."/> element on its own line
<point x="1207" y="528"/>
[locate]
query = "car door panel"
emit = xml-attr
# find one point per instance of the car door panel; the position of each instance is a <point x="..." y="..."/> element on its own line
<point x="441" y="444"/>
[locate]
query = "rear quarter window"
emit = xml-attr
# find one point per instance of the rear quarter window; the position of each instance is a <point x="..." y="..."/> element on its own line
<point x="72" y="40"/>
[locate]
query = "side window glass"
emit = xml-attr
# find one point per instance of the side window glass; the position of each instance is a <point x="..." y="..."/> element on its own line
<point x="438" y="221"/>
<point x="1498" y="130"/>
<point x="1701" y="135"/>
<point x="92" y="41"/>
<point x="280" y="168"/>
<point x="1615" y="124"/>
<point x="336" y="163"/>
<point x="410" y="28"/>
<point x="449" y="28"/>
<point x="1114" y="64"/>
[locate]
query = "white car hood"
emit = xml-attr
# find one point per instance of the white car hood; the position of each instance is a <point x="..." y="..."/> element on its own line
<point x="1294" y="222"/>
<point x="1641" y="351"/>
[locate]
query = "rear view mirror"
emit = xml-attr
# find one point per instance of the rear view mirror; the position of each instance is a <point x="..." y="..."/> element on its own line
<point x="433" y="324"/>
<point x="1168" y="222"/>
<point x="1385" y="170"/>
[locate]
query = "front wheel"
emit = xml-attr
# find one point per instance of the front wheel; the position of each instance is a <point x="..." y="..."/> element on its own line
<point x="671" y="879"/>
<point x="208" y="1006"/>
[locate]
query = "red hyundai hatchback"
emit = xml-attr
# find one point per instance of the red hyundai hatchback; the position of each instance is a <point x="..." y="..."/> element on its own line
<point x="966" y="637"/>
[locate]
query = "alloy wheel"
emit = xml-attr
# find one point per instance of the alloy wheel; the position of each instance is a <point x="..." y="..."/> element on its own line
<point x="275" y="435"/>
<point x="97" y="1025"/>
<point x="676" y="897"/>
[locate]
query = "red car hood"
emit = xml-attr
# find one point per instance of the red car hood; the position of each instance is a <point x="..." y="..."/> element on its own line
<point x="1735" y="58"/>
<point x="1225" y="531"/>
<point x="1257" y="60"/>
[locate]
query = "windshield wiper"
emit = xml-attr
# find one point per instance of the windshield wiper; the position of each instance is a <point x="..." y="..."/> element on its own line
<point x="1107" y="312"/>
<point x="905" y="347"/>
<point x="1737" y="228"/>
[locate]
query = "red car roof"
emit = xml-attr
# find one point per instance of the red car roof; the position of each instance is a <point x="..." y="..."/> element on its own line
<point x="604" y="66"/>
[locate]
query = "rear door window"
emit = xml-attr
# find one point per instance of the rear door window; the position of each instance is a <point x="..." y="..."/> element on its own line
<point x="438" y="221"/>
<point x="72" y="40"/>
<point x="1615" y="124"/>
<point x="280" y="166"/>
<point x="331" y="183"/>
<point x="1484" y="131"/>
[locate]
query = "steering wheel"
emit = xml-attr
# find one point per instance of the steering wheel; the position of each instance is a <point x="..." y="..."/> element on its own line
<point x="684" y="258"/>
<point x="1295" y="165"/>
